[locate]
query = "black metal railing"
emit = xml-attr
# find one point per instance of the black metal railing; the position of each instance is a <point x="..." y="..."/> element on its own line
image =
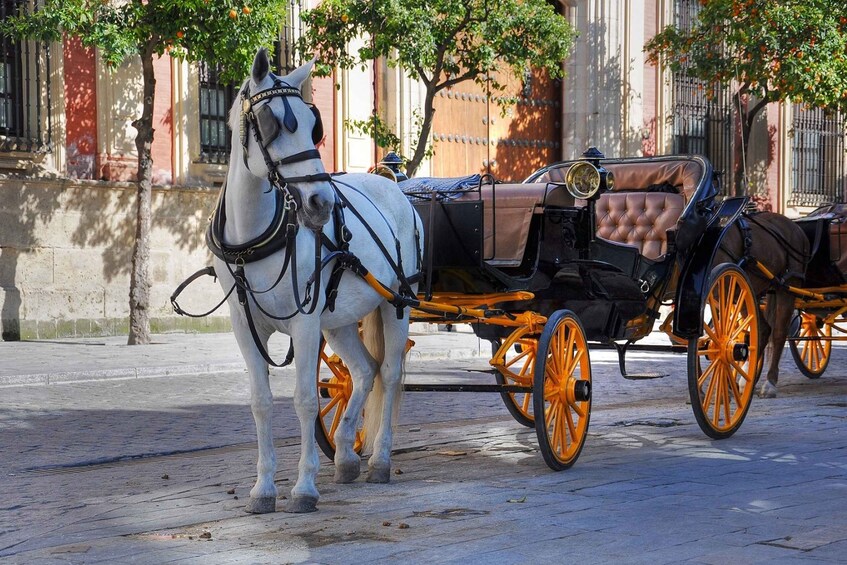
<point x="286" y="57"/>
<point x="25" y="94"/>
<point x="817" y="158"/>
<point x="215" y="101"/>
<point x="216" y="97"/>
<point x="702" y="118"/>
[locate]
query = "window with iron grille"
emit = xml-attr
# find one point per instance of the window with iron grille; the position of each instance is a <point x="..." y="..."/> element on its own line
<point x="25" y="95"/>
<point x="215" y="101"/>
<point x="216" y="97"/>
<point x="817" y="157"/>
<point x="702" y="119"/>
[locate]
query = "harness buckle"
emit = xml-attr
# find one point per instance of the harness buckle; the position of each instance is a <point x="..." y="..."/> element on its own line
<point x="290" y="201"/>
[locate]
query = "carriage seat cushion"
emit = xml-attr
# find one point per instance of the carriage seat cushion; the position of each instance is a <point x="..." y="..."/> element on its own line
<point x="639" y="218"/>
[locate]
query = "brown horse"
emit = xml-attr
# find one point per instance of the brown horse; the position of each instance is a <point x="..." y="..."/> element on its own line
<point x="782" y="247"/>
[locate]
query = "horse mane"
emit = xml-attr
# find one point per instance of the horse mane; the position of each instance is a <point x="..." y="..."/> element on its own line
<point x="234" y="120"/>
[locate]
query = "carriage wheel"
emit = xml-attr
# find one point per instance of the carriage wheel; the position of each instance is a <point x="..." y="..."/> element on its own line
<point x="812" y="354"/>
<point x="562" y="390"/>
<point x="333" y="396"/>
<point x="514" y="360"/>
<point x="723" y="364"/>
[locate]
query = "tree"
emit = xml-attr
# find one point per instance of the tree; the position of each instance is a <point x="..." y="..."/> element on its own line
<point x="765" y="51"/>
<point x="440" y="42"/>
<point x="225" y="33"/>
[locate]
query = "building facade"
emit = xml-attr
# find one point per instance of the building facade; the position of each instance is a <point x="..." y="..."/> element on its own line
<point x="68" y="158"/>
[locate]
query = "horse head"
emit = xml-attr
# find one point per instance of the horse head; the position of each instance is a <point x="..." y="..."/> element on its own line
<point x="278" y="132"/>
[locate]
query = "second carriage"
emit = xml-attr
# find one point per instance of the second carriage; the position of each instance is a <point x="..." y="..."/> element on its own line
<point x="583" y="251"/>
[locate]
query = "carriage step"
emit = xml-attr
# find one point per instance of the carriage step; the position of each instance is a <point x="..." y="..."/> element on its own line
<point x="621" y="349"/>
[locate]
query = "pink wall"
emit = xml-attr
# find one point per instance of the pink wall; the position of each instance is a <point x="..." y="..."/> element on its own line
<point x="80" y="109"/>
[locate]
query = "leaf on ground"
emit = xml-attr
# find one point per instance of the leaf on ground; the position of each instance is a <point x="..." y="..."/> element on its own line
<point x="451" y="453"/>
<point x="520" y="500"/>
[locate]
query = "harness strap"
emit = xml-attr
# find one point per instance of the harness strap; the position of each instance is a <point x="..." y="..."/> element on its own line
<point x="405" y="287"/>
<point x="241" y="285"/>
<point x="210" y="271"/>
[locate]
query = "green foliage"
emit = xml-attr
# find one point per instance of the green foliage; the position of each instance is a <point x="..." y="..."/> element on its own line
<point x="440" y="42"/>
<point x="774" y="49"/>
<point x="227" y="33"/>
<point x="459" y="38"/>
<point x="377" y="130"/>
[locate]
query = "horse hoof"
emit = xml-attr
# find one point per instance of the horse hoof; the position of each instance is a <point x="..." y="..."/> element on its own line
<point x="767" y="390"/>
<point x="379" y="475"/>
<point x="261" y="505"/>
<point x="347" y="472"/>
<point x="301" y="504"/>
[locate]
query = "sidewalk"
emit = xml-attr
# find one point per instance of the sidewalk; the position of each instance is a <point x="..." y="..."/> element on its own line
<point x="70" y="360"/>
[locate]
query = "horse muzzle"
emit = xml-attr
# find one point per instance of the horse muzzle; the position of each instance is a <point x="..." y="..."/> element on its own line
<point x="316" y="211"/>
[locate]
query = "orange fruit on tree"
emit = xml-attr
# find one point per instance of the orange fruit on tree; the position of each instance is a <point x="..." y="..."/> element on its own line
<point x="246" y="10"/>
<point x="233" y="14"/>
<point x="180" y="35"/>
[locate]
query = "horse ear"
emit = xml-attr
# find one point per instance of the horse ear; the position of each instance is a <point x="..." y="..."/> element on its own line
<point x="261" y="65"/>
<point x="296" y="77"/>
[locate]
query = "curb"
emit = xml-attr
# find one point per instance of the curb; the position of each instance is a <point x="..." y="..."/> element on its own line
<point x="43" y="379"/>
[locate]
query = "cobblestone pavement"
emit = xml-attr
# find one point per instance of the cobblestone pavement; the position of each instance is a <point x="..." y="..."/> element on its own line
<point x="157" y="470"/>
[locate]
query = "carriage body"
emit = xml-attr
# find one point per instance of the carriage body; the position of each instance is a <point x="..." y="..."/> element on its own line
<point x="542" y="268"/>
<point x="609" y="259"/>
<point x="821" y="303"/>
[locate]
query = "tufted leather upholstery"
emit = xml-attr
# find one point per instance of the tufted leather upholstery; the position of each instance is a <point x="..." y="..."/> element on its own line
<point x="639" y="218"/>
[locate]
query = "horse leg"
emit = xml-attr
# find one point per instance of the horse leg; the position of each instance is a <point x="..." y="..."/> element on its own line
<point x="346" y="343"/>
<point x="264" y="492"/>
<point x="307" y="337"/>
<point x="780" y="320"/>
<point x="394" y="335"/>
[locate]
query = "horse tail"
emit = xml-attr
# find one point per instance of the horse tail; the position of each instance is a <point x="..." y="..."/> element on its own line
<point x="373" y="336"/>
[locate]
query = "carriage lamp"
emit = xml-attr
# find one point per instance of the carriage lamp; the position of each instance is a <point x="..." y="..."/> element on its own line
<point x="393" y="161"/>
<point x="582" y="180"/>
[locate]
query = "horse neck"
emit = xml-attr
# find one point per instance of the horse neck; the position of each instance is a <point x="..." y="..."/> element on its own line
<point x="249" y="204"/>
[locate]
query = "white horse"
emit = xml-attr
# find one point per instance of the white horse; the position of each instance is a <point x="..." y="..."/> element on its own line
<point x="274" y="165"/>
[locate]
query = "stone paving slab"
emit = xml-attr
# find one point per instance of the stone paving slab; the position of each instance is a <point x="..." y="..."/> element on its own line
<point x="158" y="471"/>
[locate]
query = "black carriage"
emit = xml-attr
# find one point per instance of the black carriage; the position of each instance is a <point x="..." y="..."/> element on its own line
<point x="590" y="250"/>
<point x="822" y="301"/>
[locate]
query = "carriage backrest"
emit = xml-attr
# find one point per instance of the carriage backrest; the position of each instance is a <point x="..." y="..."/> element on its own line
<point x="648" y="199"/>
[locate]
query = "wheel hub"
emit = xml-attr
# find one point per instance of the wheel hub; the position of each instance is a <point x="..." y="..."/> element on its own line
<point x="578" y="391"/>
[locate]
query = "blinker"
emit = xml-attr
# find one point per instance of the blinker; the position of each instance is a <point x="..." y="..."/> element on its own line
<point x="268" y="125"/>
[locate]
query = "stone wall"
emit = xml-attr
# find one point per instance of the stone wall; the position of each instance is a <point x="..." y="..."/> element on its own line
<point x="65" y="258"/>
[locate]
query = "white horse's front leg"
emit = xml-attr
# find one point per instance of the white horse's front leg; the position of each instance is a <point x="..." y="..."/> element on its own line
<point x="264" y="492"/>
<point x="307" y="337"/>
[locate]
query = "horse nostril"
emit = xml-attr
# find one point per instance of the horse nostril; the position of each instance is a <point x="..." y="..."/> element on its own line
<point x="318" y="202"/>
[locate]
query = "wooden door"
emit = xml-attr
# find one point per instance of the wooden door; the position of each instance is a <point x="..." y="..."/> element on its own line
<point x="473" y="134"/>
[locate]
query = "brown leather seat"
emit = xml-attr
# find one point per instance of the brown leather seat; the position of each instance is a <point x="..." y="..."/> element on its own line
<point x="639" y="218"/>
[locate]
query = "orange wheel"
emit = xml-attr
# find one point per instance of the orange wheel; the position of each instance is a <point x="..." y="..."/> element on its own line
<point x="723" y="364"/>
<point x="811" y="352"/>
<point x="514" y="360"/>
<point x="334" y="390"/>
<point x="562" y="390"/>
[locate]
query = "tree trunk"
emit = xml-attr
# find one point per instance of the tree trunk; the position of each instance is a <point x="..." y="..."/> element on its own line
<point x="139" y="285"/>
<point x="423" y="139"/>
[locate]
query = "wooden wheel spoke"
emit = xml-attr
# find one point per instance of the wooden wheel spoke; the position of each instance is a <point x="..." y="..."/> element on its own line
<point x="744" y="325"/>
<point x="741" y="371"/>
<point x="330" y="405"/>
<point x="336" y="418"/>
<point x="733" y="385"/>
<point x="710" y="331"/>
<point x="713" y="369"/>
<point x="705" y="374"/>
